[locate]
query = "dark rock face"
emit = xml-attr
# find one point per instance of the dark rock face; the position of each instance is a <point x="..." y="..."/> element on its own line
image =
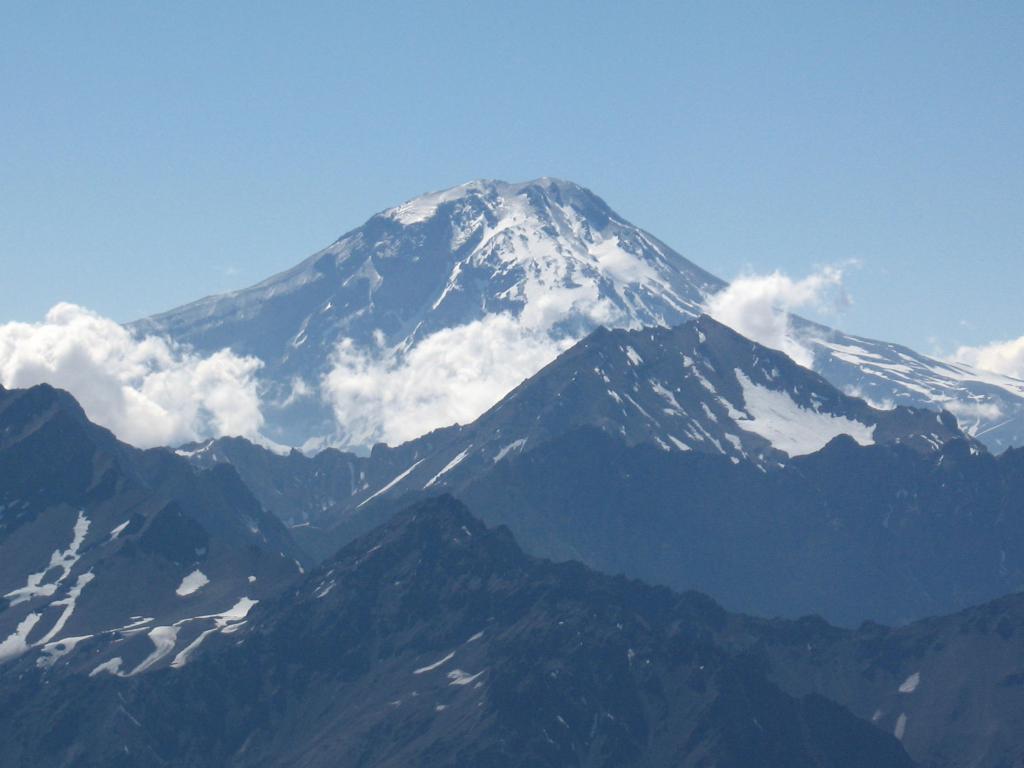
<point x="434" y="641"/>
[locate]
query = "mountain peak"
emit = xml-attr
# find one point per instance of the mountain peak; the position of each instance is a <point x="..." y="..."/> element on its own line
<point x="500" y="198"/>
<point x="24" y="412"/>
<point x="440" y="518"/>
<point x="546" y="260"/>
<point x="430" y="533"/>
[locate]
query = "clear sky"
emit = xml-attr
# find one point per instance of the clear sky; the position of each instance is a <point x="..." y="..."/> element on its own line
<point x="154" y="153"/>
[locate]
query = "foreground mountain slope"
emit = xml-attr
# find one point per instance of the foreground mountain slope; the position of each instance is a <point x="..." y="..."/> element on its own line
<point x="107" y="552"/>
<point x="434" y="641"/>
<point x="548" y="253"/>
<point x="586" y="461"/>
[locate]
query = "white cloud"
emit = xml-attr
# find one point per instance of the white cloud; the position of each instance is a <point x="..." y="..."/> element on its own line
<point x="392" y="395"/>
<point x="887" y="404"/>
<point x="300" y="390"/>
<point x="758" y="307"/>
<point x="147" y="391"/>
<point x="968" y="412"/>
<point x="1006" y="357"/>
<point x="451" y="376"/>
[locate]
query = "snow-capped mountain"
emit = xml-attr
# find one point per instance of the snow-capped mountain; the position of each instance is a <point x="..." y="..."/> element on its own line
<point x="699" y="386"/>
<point x="116" y="558"/>
<point x="552" y="259"/>
<point x="549" y="255"/>
<point x="546" y="247"/>
<point x="989" y="406"/>
<point x="696" y="387"/>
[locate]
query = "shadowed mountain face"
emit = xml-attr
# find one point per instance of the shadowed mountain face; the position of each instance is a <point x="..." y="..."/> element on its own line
<point x="111" y="555"/>
<point x="554" y="258"/>
<point x="851" y="533"/>
<point x="434" y="641"/>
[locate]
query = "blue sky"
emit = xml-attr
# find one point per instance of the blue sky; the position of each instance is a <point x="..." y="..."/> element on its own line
<point x="154" y="153"/>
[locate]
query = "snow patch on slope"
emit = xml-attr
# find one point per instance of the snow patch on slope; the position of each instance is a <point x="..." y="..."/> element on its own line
<point x="435" y="665"/>
<point x="447" y="468"/>
<point x="458" y="677"/>
<point x="68" y="603"/>
<point x="192" y="583"/>
<point x="391" y="484"/>
<point x="910" y="684"/>
<point x="118" y="530"/>
<point x="17" y="643"/>
<point x="515" y="445"/>
<point x="64" y="560"/>
<point x="113" y="666"/>
<point x="53" y="652"/>
<point x="163" y="639"/>
<point x="790" y="427"/>
<point x="229" y="621"/>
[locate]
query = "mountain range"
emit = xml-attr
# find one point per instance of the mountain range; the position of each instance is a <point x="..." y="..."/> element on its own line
<point x="435" y="641"/>
<point x="556" y="261"/>
<point x="526" y="584"/>
<point x="156" y="613"/>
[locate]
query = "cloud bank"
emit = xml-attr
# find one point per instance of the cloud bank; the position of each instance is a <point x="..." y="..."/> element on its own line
<point x="147" y="391"/>
<point x="759" y="306"/>
<point x="1006" y="357"/>
<point x="393" y="395"/>
<point x="451" y="376"/>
